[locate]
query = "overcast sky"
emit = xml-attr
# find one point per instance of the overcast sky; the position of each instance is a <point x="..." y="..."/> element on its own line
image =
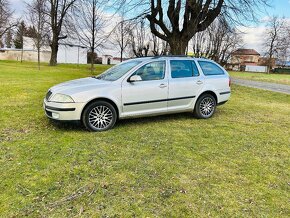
<point x="252" y="34"/>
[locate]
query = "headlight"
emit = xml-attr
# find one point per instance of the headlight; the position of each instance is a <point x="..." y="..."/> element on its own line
<point x="61" y="98"/>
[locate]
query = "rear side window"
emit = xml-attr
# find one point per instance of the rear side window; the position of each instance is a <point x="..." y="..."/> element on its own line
<point x="210" y="69"/>
<point x="183" y="68"/>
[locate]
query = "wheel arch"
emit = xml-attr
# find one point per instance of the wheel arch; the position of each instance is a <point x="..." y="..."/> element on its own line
<point x="101" y="99"/>
<point x="196" y="111"/>
<point x="211" y="93"/>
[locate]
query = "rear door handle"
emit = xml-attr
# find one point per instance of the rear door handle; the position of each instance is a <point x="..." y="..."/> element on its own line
<point x="199" y="82"/>
<point x="162" y="85"/>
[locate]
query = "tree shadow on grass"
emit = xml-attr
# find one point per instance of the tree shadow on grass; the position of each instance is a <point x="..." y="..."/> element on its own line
<point x="67" y="125"/>
<point x="154" y="119"/>
<point x="130" y="123"/>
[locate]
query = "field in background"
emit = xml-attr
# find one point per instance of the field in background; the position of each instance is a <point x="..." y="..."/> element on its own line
<point x="233" y="165"/>
<point x="264" y="77"/>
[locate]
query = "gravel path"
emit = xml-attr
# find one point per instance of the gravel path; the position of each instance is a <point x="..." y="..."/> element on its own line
<point x="263" y="85"/>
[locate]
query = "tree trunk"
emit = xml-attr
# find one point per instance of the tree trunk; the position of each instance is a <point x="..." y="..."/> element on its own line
<point x="92" y="59"/>
<point x="269" y="64"/>
<point x="54" y="50"/>
<point x="38" y="56"/>
<point x="21" y="54"/>
<point x="122" y="40"/>
<point x="178" y="47"/>
<point x="121" y="55"/>
<point x="39" y="37"/>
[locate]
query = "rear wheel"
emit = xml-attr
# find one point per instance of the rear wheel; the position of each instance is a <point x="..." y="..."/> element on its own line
<point x="99" y="116"/>
<point x="205" y="106"/>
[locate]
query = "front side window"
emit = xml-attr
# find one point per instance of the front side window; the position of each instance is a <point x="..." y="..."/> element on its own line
<point x="210" y="69"/>
<point x="117" y="71"/>
<point x="183" y="68"/>
<point x="151" y="71"/>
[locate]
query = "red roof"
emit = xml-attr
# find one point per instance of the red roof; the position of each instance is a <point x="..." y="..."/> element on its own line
<point x="242" y="51"/>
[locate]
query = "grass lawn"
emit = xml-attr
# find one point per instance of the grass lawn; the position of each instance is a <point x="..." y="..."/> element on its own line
<point x="233" y="165"/>
<point x="264" y="77"/>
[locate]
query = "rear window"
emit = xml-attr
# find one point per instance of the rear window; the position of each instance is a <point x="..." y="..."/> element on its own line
<point x="210" y="69"/>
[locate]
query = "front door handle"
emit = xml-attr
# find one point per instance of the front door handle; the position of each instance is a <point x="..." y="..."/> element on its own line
<point x="199" y="82"/>
<point x="162" y="85"/>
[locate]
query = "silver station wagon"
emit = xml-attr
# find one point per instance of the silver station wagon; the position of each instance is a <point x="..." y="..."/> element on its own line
<point x="141" y="87"/>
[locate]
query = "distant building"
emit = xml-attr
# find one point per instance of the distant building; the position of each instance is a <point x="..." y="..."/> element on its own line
<point x="106" y="59"/>
<point x="244" y="57"/>
<point x="109" y="59"/>
<point x="67" y="53"/>
<point x="71" y="54"/>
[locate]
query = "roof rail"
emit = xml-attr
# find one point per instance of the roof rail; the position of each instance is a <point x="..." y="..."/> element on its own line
<point x="144" y="57"/>
<point x="160" y="56"/>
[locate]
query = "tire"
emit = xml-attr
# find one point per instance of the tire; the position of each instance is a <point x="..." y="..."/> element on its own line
<point x="99" y="116"/>
<point x="205" y="106"/>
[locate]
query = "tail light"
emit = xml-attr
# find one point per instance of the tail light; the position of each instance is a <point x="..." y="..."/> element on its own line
<point x="230" y="81"/>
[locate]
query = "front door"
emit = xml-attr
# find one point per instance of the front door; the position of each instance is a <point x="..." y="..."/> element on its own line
<point x="149" y="95"/>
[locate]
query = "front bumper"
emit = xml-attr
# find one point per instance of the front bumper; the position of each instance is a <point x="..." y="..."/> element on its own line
<point x="63" y="111"/>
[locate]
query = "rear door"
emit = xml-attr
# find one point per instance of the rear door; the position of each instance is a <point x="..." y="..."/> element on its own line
<point x="185" y="82"/>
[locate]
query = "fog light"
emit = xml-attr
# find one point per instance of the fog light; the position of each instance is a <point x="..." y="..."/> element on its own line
<point x="55" y="115"/>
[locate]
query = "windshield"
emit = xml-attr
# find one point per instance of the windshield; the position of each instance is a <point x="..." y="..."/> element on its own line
<point x="117" y="71"/>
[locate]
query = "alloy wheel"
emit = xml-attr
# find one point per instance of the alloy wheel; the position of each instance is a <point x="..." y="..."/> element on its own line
<point x="100" y="117"/>
<point x="207" y="106"/>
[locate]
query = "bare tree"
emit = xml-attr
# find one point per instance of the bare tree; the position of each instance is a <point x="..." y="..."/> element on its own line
<point x="120" y="36"/>
<point x="6" y="18"/>
<point x="201" y="43"/>
<point x="274" y="39"/>
<point x="231" y="41"/>
<point x="143" y="43"/>
<point x="57" y="11"/>
<point x="1" y="43"/>
<point x="38" y="19"/>
<point x="8" y="39"/>
<point x="284" y="51"/>
<point x="216" y="42"/>
<point x="139" y="40"/>
<point x="90" y="21"/>
<point x="184" y="18"/>
<point x="158" y="46"/>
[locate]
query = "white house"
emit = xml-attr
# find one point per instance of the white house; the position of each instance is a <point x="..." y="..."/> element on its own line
<point x="71" y="54"/>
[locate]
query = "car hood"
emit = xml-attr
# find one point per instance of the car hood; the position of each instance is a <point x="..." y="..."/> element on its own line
<point x="78" y="85"/>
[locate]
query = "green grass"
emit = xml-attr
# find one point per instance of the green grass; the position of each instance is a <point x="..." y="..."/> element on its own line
<point x="264" y="77"/>
<point x="233" y="165"/>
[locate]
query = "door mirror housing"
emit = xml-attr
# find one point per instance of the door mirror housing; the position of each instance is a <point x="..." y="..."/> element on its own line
<point x="135" y="78"/>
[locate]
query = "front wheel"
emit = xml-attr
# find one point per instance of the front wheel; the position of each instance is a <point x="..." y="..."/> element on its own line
<point x="205" y="106"/>
<point x="99" y="116"/>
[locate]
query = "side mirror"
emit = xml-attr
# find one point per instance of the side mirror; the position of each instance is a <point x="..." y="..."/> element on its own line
<point x="135" y="78"/>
